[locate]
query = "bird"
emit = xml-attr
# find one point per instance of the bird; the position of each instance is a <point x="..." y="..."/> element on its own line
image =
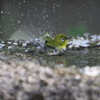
<point x="57" y="44"/>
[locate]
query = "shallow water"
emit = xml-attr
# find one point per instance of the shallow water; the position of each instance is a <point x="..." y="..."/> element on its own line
<point x="80" y="58"/>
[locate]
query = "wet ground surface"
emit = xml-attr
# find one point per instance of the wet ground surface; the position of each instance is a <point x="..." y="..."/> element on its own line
<point x="80" y="58"/>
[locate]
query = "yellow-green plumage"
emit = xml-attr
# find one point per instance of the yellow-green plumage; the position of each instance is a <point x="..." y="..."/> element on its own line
<point x="59" y="42"/>
<point x="56" y="45"/>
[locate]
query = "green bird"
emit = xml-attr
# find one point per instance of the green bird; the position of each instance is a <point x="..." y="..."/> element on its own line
<point x="58" y="43"/>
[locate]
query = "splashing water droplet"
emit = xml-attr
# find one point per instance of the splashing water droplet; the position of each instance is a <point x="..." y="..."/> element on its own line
<point x="1" y="12"/>
<point x="19" y="21"/>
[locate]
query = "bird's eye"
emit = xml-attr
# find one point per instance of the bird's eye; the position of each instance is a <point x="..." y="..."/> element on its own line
<point x="62" y="39"/>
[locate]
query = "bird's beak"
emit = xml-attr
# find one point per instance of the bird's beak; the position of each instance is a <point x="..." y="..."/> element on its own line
<point x="68" y="37"/>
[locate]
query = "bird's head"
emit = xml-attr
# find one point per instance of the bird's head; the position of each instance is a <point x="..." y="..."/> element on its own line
<point x="60" y="41"/>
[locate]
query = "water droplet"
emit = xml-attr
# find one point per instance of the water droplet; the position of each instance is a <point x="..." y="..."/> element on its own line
<point x="19" y="31"/>
<point x="9" y="4"/>
<point x="84" y="21"/>
<point x="28" y="15"/>
<point x="24" y="1"/>
<point x="8" y="12"/>
<point x="84" y="4"/>
<point x="12" y="20"/>
<point x="47" y="22"/>
<point x="13" y="24"/>
<point x="29" y="11"/>
<point x="43" y="17"/>
<point x="44" y="11"/>
<point x="19" y="3"/>
<point x="22" y="14"/>
<point x="53" y="7"/>
<point x="2" y="17"/>
<point x="57" y="5"/>
<point x="19" y="21"/>
<point x="1" y="12"/>
<point x="21" y="25"/>
<point x="78" y="12"/>
<point x="35" y="9"/>
<point x="47" y="15"/>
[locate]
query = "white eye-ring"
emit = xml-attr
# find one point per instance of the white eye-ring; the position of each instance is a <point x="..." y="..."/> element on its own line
<point x="62" y="39"/>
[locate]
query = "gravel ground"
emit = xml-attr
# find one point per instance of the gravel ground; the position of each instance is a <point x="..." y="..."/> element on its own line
<point x="24" y="79"/>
